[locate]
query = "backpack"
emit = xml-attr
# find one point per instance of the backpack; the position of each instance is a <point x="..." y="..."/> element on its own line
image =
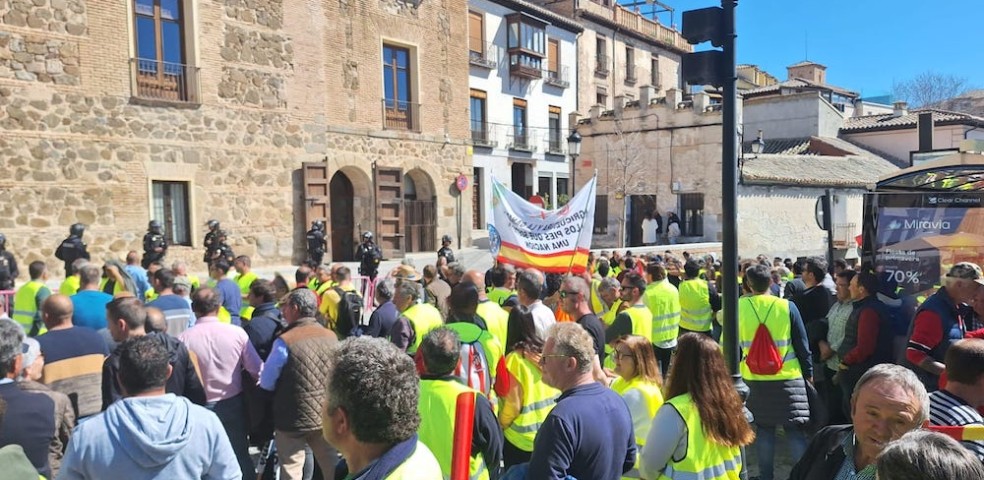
<point x="763" y="356"/>
<point x="473" y="370"/>
<point x="349" y="322"/>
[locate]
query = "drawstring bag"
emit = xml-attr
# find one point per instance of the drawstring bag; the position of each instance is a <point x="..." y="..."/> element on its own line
<point x="763" y="356"/>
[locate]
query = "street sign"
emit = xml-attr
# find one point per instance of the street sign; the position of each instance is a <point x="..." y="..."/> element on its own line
<point x="461" y="182"/>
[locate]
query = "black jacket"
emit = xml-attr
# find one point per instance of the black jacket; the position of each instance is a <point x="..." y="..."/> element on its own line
<point x="824" y="456"/>
<point x="264" y="327"/>
<point x="30" y="423"/>
<point x="71" y="249"/>
<point x="184" y="380"/>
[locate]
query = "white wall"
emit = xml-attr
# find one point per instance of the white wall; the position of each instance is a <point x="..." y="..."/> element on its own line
<point x="780" y="221"/>
<point x="791" y="116"/>
<point x="898" y="143"/>
<point x="501" y="89"/>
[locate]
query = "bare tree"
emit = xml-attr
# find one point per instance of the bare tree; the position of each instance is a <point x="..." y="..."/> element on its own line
<point x="633" y="170"/>
<point x="930" y="89"/>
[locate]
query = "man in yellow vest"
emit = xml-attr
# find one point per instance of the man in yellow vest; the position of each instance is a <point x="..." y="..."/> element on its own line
<point x="496" y="318"/>
<point x="663" y="301"/>
<point x="416" y="319"/>
<point x="28" y="299"/>
<point x="439" y="391"/>
<point x="777" y="392"/>
<point x="244" y="278"/>
<point x="610" y="297"/>
<point x="371" y="414"/>
<point x="698" y="301"/>
<point x="504" y="286"/>
<point x="636" y="319"/>
<point x="329" y="308"/>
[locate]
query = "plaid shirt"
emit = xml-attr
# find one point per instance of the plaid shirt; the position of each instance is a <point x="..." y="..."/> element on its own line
<point x="846" y="471"/>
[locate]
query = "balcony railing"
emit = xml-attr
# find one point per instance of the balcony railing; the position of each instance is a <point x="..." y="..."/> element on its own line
<point x="559" y="78"/>
<point x="844" y="234"/>
<point x="164" y="81"/>
<point x="630" y="74"/>
<point x="555" y="144"/>
<point x="483" y="135"/>
<point x="522" y="140"/>
<point x="487" y="58"/>
<point x="630" y="20"/>
<point x="601" y="64"/>
<point x="401" y="115"/>
<point x="525" y="65"/>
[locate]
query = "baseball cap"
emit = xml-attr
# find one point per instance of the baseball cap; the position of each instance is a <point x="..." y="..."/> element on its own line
<point x="967" y="271"/>
<point x="183" y="282"/>
<point x="31" y="350"/>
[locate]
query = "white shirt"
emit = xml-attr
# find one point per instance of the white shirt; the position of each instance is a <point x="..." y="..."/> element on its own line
<point x="649" y="230"/>
<point x="543" y="318"/>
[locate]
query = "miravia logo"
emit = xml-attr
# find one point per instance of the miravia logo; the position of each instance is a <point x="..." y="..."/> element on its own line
<point x="927" y="224"/>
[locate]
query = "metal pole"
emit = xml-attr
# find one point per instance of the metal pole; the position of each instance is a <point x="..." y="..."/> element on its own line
<point x="729" y="200"/>
<point x="828" y="221"/>
<point x="460" y="193"/>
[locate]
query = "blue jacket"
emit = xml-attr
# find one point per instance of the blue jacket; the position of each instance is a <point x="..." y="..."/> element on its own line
<point x="162" y="436"/>
<point x="30" y="423"/>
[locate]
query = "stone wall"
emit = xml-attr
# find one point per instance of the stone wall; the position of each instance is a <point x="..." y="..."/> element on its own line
<point x="34" y="58"/>
<point x="267" y="13"/>
<point x="54" y="16"/>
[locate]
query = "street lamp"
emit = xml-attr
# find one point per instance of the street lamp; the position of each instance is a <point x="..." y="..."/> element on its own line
<point x="758" y="146"/>
<point x="574" y="150"/>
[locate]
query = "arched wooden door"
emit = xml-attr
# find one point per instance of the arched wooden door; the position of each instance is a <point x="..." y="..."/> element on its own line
<point x="342" y="218"/>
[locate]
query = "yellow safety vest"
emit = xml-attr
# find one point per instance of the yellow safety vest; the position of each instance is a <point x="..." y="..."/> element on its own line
<point x="705" y="459"/>
<point x="649" y="391"/>
<point x="695" y="305"/>
<point x="26" y="308"/>
<point x="499" y="295"/>
<point x="423" y="317"/>
<point x="608" y="318"/>
<point x="642" y="321"/>
<point x="597" y="304"/>
<point x="663" y="301"/>
<point x="538" y="399"/>
<point x="496" y="319"/>
<point x="774" y="313"/>
<point x="117" y="288"/>
<point x="70" y="286"/>
<point x="420" y="465"/>
<point x="195" y="282"/>
<point x="437" y="407"/>
<point x="244" y="281"/>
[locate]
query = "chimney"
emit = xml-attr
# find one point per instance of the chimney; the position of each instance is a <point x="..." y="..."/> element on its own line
<point x="595" y="111"/>
<point x="926" y="131"/>
<point x="646" y="96"/>
<point x="673" y="98"/>
<point x="701" y="102"/>
<point x="900" y="109"/>
<point x="619" y="105"/>
<point x="813" y="72"/>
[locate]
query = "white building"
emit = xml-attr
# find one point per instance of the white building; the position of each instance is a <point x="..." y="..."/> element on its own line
<point x="523" y="84"/>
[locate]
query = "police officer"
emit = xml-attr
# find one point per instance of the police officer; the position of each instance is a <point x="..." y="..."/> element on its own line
<point x="369" y="256"/>
<point x="8" y="266"/>
<point x="316" y="242"/>
<point x="445" y="250"/>
<point x="220" y="250"/>
<point x="210" y="243"/>
<point x="72" y="248"/>
<point x="155" y="247"/>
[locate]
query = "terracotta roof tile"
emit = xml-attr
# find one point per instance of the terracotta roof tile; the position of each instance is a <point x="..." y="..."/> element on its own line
<point x="888" y="121"/>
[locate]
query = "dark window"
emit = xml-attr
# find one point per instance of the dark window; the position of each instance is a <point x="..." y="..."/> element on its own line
<point x="479" y="128"/>
<point x="553" y="122"/>
<point x="630" y="64"/>
<point x="543" y="190"/>
<point x="692" y="208"/>
<point x="171" y="209"/>
<point x="520" y="134"/>
<point x="654" y="72"/>
<point x="562" y="194"/>
<point x="400" y="111"/>
<point x="601" y="98"/>
<point x="601" y="215"/>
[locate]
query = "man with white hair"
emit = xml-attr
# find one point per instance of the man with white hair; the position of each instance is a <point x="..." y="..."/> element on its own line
<point x="888" y="401"/>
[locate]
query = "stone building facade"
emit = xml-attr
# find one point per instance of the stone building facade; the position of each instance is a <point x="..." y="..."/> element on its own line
<point x="263" y="114"/>
<point x="656" y="154"/>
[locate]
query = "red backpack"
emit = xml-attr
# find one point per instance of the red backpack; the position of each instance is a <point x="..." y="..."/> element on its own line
<point x="763" y="356"/>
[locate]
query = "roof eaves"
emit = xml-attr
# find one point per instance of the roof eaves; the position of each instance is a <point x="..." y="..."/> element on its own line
<point x="552" y="18"/>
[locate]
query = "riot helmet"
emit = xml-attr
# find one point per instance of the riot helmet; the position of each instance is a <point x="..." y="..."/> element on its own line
<point x="213" y="225"/>
<point x="77" y="229"/>
<point x="446" y="239"/>
<point x="3" y="241"/>
<point x="367" y="236"/>
<point x="154" y="226"/>
<point x="318" y="224"/>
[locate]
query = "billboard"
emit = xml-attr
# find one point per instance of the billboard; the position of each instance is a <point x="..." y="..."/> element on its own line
<point x="919" y="236"/>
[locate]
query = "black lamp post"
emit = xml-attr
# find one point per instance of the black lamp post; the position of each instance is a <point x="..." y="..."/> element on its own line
<point x="574" y="150"/>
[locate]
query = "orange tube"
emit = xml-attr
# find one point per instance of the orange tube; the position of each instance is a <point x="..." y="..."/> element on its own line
<point x="464" y="421"/>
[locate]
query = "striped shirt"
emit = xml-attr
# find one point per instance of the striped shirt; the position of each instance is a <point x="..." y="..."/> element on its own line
<point x="948" y="409"/>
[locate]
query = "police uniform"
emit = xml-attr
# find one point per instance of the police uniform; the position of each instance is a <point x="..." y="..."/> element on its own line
<point x="70" y="250"/>
<point x="369" y="256"/>
<point x="151" y="242"/>
<point x="316" y="245"/>
<point x="8" y="270"/>
<point x="447" y="253"/>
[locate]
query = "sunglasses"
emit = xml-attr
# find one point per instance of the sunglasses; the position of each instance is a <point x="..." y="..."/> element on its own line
<point x="565" y="294"/>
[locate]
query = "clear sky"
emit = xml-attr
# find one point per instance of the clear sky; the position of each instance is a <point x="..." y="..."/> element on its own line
<point x="865" y="44"/>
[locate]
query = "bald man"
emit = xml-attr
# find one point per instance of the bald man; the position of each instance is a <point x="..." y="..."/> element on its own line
<point x="64" y="340"/>
<point x="496" y="318"/>
<point x="156" y="322"/>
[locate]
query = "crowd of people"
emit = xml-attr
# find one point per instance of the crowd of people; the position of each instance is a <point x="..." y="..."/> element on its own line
<point x="613" y="372"/>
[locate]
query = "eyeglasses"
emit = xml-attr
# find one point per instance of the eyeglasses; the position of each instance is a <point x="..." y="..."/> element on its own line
<point x="543" y="358"/>
<point x="565" y="294"/>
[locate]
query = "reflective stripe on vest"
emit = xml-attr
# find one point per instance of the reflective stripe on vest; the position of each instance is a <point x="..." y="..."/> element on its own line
<point x="695" y="305"/>
<point x="26" y="308"/>
<point x="705" y="460"/>
<point x="642" y="321"/>
<point x="663" y="301"/>
<point x="423" y="318"/>
<point x="779" y="327"/>
<point x="420" y="464"/>
<point x="538" y="399"/>
<point x="437" y="407"/>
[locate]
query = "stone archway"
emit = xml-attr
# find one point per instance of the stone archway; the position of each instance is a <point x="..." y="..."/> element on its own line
<point x="420" y="211"/>
<point x="350" y="201"/>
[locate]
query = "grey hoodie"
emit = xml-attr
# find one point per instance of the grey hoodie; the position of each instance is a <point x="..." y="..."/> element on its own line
<point x="162" y="436"/>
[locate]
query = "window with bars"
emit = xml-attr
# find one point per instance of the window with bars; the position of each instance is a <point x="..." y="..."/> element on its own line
<point x="172" y="210"/>
<point x="692" y="214"/>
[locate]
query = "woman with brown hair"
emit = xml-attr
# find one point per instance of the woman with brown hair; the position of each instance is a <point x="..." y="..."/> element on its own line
<point x="639" y="383"/>
<point x="702" y="425"/>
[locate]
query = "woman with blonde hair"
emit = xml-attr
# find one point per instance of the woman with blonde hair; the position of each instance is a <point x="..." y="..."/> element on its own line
<point x="639" y="382"/>
<point x="702" y="425"/>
